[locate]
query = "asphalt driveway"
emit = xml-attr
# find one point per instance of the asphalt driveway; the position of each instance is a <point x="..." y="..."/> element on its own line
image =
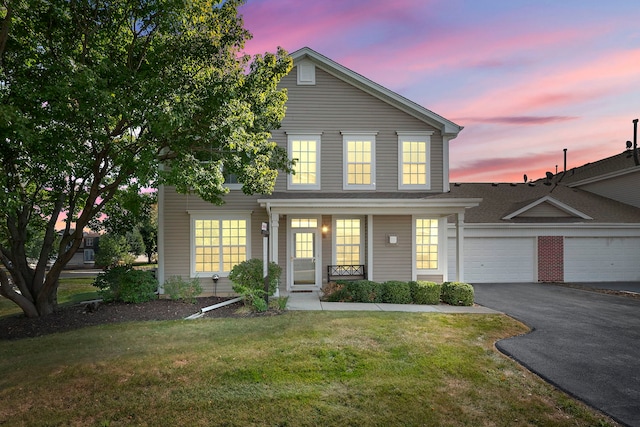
<point x="583" y="342"/>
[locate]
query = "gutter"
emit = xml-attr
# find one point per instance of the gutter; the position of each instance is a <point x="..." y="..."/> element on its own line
<point x="213" y="307"/>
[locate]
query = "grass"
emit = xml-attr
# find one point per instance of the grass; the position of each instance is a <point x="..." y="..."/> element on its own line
<point x="70" y="291"/>
<point x="297" y="369"/>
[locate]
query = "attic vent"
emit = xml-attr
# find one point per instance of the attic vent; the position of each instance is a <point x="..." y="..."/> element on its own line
<point x="306" y="73"/>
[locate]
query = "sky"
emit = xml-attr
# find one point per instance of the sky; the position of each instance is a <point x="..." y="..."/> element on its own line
<point x="526" y="78"/>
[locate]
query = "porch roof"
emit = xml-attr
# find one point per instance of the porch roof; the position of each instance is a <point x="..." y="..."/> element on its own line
<point x="388" y="203"/>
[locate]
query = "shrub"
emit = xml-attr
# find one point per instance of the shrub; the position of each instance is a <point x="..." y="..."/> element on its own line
<point x="249" y="274"/>
<point x="279" y="304"/>
<point x="179" y="289"/>
<point x="396" y="292"/>
<point x="335" y="292"/>
<point x="364" y="291"/>
<point x="249" y="294"/>
<point x="457" y="293"/>
<point x="425" y="292"/>
<point x="123" y="283"/>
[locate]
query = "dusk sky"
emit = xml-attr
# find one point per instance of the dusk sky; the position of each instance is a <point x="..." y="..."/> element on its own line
<point x="526" y="78"/>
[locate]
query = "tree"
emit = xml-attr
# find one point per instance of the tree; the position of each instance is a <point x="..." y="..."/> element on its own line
<point x="94" y="96"/>
<point x="113" y="250"/>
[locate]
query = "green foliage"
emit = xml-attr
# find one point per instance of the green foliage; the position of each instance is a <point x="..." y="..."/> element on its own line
<point x="249" y="274"/>
<point x="279" y="304"/>
<point x="250" y="295"/>
<point x="396" y="292"/>
<point x="425" y="292"/>
<point x="122" y="283"/>
<point x="95" y="95"/>
<point x="457" y="293"/>
<point x="180" y="289"/>
<point x="365" y="291"/>
<point x="259" y="305"/>
<point x="113" y="250"/>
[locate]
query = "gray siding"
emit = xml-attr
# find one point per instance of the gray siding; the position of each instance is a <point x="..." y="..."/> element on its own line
<point x="392" y="262"/>
<point x="177" y="232"/>
<point x="332" y="106"/>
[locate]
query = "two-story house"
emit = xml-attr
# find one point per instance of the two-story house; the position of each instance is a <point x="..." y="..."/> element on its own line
<point x="370" y="196"/>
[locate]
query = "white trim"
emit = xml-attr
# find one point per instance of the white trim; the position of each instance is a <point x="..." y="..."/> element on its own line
<point x="306" y="73"/>
<point x="419" y="136"/>
<point x="603" y="177"/>
<point x="220" y="216"/>
<point x="334" y="219"/>
<point x="318" y="251"/>
<point x="350" y="136"/>
<point x="442" y="254"/>
<point x="548" y="199"/>
<point x="292" y="136"/>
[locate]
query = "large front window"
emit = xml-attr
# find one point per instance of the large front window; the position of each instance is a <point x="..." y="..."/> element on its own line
<point x="426" y="244"/>
<point x="359" y="160"/>
<point x="413" y="160"/>
<point x="305" y="151"/>
<point x="348" y="241"/>
<point x="218" y="244"/>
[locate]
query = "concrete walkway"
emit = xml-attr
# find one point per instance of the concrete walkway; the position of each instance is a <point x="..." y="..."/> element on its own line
<point x="311" y="301"/>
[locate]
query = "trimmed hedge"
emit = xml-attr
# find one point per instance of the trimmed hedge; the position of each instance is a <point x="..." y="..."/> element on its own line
<point x="365" y="291"/>
<point x="457" y="293"/>
<point x="395" y="292"/>
<point x="425" y="292"/>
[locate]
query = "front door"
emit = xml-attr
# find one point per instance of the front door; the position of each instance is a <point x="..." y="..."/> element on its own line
<point x="305" y="262"/>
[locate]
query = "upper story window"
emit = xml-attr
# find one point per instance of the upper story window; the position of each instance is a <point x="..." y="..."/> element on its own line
<point x="413" y="160"/>
<point x="88" y="242"/>
<point x="359" y="160"/>
<point x="305" y="150"/>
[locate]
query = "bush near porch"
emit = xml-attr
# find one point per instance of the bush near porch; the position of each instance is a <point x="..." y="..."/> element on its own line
<point x="397" y="292"/>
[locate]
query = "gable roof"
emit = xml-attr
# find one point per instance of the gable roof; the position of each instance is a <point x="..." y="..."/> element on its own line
<point x="514" y="203"/>
<point x="447" y="127"/>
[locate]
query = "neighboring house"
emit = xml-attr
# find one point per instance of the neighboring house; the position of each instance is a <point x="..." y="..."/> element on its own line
<point x="84" y="256"/>
<point x="616" y="177"/>
<point x="560" y="230"/>
<point x="370" y="197"/>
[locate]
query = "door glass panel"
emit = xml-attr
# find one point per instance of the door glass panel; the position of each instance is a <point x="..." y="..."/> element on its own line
<point x="304" y="262"/>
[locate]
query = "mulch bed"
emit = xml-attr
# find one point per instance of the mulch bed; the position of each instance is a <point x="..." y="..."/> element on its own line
<point x="79" y="316"/>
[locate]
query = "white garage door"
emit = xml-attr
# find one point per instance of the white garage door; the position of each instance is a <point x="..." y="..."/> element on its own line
<point x="596" y="259"/>
<point x="496" y="259"/>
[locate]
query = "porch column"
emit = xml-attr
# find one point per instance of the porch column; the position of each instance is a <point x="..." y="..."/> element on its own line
<point x="460" y="247"/>
<point x="273" y="235"/>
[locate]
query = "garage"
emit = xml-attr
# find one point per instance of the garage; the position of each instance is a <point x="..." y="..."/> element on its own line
<point x="496" y="259"/>
<point x="594" y="259"/>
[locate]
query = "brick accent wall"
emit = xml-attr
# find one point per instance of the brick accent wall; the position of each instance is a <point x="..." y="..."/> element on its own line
<point x="550" y="258"/>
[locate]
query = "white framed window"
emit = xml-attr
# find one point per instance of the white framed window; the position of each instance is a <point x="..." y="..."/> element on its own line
<point x="305" y="150"/>
<point x="414" y="170"/>
<point x="427" y="247"/>
<point x="88" y="242"/>
<point x="359" y="166"/>
<point x="219" y="242"/>
<point x="347" y="241"/>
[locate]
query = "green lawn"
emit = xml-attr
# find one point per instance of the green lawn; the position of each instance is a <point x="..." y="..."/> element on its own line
<point x="296" y="369"/>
